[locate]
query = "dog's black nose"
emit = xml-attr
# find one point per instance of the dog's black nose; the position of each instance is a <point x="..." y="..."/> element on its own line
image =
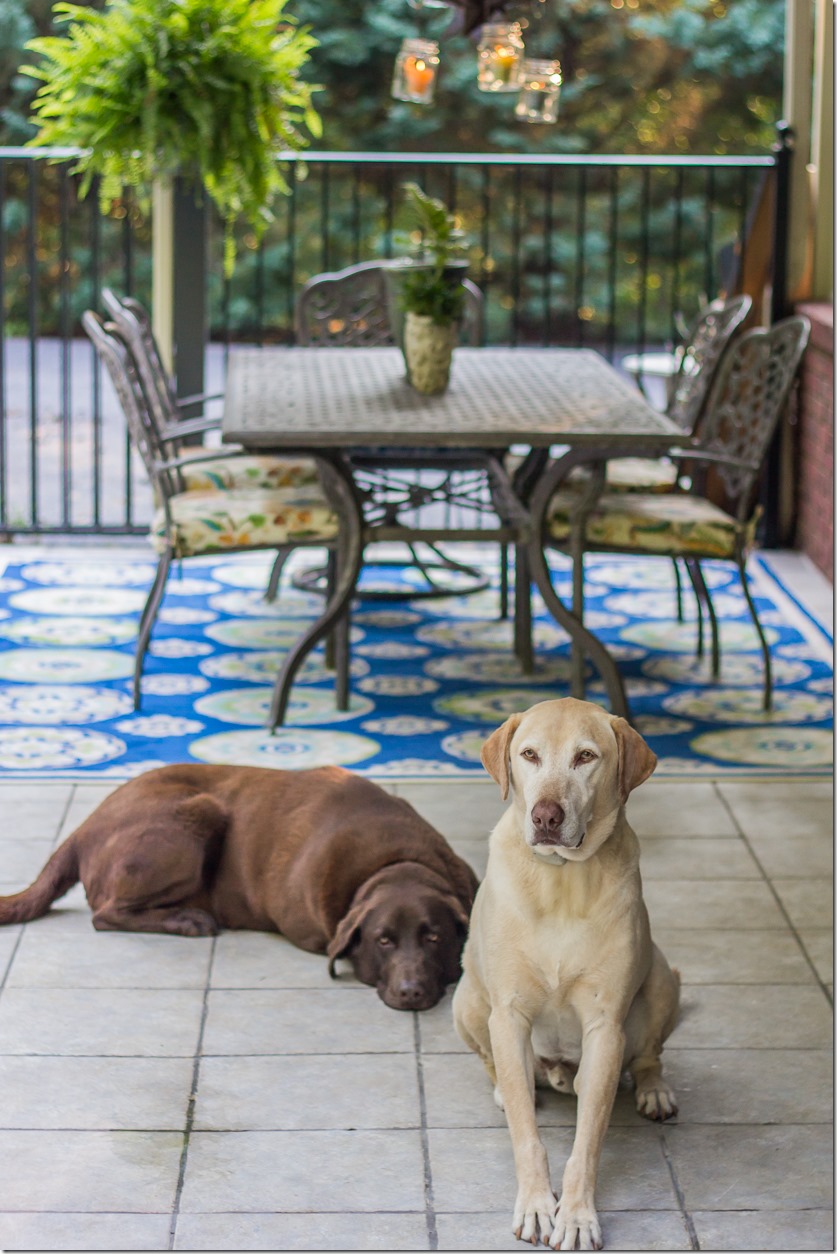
<point x="547" y="817"/>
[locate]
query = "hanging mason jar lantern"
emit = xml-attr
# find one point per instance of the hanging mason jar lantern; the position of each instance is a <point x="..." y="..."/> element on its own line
<point x="540" y="85"/>
<point x="499" y="55"/>
<point x="416" y="67"/>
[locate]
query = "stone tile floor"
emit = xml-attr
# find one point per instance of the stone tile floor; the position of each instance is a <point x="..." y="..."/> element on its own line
<point x="168" y="1093"/>
<point x="163" y="1093"/>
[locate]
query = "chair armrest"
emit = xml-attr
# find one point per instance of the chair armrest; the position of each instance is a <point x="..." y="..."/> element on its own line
<point x="714" y="458"/>
<point x="189" y="426"/>
<point x="198" y="398"/>
<point x="211" y="455"/>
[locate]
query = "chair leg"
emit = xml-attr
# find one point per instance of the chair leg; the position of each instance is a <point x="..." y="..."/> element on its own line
<point x="504" y="581"/>
<point x="340" y="641"/>
<point x="678" y="580"/>
<point x="329" y="648"/>
<point x="523" y="610"/>
<point x="693" y="578"/>
<point x="282" y="555"/>
<point x="147" y="618"/>
<point x="706" y="596"/>
<point x="765" y="647"/>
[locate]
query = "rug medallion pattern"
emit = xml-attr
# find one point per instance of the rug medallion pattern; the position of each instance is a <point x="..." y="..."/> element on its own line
<point x="430" y="678"/>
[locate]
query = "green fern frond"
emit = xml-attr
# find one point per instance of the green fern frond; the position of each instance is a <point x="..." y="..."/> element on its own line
<point x="150" y="87"/>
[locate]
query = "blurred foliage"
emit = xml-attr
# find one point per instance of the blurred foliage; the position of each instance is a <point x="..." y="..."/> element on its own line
<point x="701" y="76"/>
<point x="640" y="76"/>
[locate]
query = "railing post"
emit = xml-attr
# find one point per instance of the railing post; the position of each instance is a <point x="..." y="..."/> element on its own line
<point x="778" y="521"/>
<point x="190" y="305"/>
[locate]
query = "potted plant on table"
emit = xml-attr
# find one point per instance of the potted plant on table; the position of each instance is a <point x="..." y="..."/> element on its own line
<point x="207" y="91"/>
<point x="431" y="294"/>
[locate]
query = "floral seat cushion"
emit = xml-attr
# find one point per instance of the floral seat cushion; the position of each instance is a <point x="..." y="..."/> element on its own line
<point x="641" y="474"/>
<point x="676" y="524"/>
<point x="232" y="473"/>
<point x="207" y="522"/>
<point x="632" y="474"/>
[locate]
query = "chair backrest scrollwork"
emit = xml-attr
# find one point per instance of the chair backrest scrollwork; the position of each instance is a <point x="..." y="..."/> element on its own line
<point x="115" y="354"/>
<point x="351" y="307"/>
<point x="700" y="355"/>
<point x="746" y="402"/>
<point x="134" y="326"/>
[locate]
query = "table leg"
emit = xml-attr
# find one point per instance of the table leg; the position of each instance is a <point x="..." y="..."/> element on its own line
<point x="339" y="487"/>
<point x="583" y="642"/>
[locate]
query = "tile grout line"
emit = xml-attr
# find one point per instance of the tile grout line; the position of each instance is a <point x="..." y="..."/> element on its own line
<point x="768" y="881"/>
<point x="190" y="1107"/>
<point x="694" y="1244"/>
<point x="429" y="1204"/>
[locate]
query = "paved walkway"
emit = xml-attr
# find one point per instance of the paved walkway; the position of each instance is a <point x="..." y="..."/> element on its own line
<point x="163" y="1093"/>
<point x="168" y="1093"/>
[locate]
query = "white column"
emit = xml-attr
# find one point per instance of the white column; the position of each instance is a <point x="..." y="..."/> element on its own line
<point x="822" y="154"/>
<point x="796" y="110"/>
<point x="162" y="270"/>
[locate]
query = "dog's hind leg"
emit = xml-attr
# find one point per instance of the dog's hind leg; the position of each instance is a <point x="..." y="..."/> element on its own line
<point x="180" y="921"/>
<point x="158" y="880"/>
<point x="650" y="1021"/>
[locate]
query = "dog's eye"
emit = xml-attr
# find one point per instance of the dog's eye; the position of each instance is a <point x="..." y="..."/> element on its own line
<point x="530" y="755"/>
<point x="433" y="938"/>
<point x="585" y="755"/>
<point x="385" y="942"/>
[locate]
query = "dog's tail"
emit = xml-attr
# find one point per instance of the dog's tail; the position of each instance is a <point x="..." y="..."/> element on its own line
<point x="57" y="878"/>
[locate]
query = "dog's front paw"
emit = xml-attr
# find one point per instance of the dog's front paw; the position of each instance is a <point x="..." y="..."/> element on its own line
<point x="656" y="1101"/>
<point x="576" y="1228"/>
<point x="534" y="1215"/>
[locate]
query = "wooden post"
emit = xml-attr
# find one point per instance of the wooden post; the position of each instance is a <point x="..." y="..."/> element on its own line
<point x="178" y="289"/>
<point x="162" y="270"/>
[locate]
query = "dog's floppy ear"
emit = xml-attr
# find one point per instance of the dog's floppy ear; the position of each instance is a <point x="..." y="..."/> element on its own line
<point x="347" y="934"/>
<point x="495" y="753"/>
<point x="460" y="915"/>
<point x="636" y="761"/>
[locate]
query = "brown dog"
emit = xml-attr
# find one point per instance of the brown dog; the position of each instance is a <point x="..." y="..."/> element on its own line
<point x="328" y="859"/>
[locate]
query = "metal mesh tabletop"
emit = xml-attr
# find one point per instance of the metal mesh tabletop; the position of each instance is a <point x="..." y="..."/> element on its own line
<point x="342" y="397"/>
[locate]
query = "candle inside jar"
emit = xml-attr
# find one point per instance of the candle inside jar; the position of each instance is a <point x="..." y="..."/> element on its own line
<point x="504" y="60"/>
<point x="418" y="74"/>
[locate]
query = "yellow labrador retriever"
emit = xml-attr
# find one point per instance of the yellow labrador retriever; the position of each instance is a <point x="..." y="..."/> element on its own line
<point x="562" y="983"/>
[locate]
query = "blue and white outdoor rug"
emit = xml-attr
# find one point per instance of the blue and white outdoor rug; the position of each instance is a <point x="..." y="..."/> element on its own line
<point x="431" y="678"/>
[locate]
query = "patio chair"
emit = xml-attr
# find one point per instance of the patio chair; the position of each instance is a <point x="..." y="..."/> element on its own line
<point x="716" y="515"/>
<point x="352" y="307"/>
<point x="696" y="362"/>
<point x="197" y="523"/>
<point x="698" y="358"/>
<point x="226" y="468"/>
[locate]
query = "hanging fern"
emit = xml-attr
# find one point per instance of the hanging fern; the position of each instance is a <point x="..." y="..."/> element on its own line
<point x="206" y="89"/>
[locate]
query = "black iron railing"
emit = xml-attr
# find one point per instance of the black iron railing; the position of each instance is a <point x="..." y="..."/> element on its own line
<point x="604" y="252"/>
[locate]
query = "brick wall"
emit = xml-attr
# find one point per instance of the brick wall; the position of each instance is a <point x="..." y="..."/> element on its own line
<point x="815" y="524"/>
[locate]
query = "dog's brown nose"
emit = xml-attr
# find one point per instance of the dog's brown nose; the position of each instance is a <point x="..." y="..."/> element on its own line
<point x="412" y="995"/>
<point x="547" y="817"/>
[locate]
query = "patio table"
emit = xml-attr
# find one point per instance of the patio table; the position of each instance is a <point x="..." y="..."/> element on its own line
<point x="339" y="405"/>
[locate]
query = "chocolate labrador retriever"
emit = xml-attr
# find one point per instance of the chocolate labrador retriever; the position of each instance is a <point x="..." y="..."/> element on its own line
<point x="328" y="859"/>
<point x="563" y="985"/>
